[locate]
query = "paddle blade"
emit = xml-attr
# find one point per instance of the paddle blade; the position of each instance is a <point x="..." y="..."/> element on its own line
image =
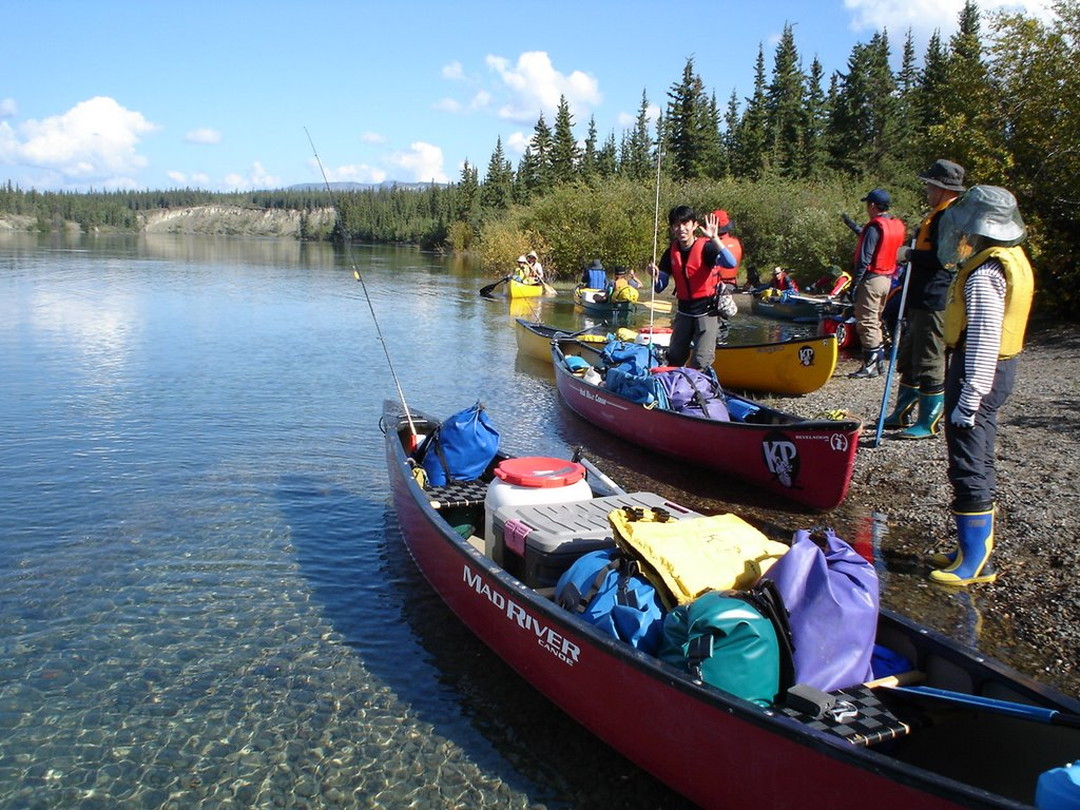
<point x="487" y="289"/>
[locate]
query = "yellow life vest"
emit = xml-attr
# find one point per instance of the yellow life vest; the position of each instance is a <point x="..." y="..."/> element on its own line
<point x="685" y="558"/>
<point x="1019" y="290"/>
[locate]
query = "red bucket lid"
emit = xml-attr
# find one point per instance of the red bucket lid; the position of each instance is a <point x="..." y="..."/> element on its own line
<point x="537" y="471"/>
<point x="655" y="330"/>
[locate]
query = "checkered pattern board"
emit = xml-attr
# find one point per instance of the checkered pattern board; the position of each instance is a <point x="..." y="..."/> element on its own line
<point x="873" y="723"/>
<point x="459" y="493"/>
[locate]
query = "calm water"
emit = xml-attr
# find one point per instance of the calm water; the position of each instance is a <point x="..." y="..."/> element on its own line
<point x="205" y="598"/>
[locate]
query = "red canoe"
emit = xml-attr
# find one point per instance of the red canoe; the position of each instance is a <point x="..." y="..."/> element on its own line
<point x="807" y="461"/>
<point x="718" y="750"/>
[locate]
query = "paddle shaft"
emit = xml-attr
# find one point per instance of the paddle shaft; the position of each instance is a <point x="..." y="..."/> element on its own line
<point x="893" y="353"/>
<point x="1005" y="707"/>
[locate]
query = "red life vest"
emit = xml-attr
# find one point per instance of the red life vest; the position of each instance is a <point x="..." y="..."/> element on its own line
<point x="694" y="280"/>
<point x="892" y="237"/>
<point x="730" y="275"/>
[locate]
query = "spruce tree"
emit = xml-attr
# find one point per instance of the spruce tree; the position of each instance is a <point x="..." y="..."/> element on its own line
<point x="565" y="155"/>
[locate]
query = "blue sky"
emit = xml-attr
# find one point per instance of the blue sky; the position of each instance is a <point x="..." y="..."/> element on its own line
<point x="217" y="95"/>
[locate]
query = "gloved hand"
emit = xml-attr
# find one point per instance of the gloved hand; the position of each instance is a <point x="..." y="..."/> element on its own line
<point x="961" y="417"/>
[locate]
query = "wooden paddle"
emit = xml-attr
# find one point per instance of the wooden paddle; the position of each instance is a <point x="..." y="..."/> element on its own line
<point x="657" y="306"/>
<point x="487" y="289"/>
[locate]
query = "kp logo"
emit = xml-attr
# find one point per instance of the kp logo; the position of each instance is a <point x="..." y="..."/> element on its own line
<point x="781" y="457"/>
<point x="806" y="356"/>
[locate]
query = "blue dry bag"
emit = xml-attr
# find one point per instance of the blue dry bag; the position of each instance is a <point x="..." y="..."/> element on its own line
<point x="604" y="588"/>
<point x="461" y="448"/>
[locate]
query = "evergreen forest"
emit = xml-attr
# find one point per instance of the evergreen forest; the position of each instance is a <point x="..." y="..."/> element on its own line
<point x="1001" y="96"/>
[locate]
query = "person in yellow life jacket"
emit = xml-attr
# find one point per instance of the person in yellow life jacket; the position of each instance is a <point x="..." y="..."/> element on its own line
<point x="873" y="268"/>
<point x="920" y="357"/>
<point x="724" y="228"/>
<point x="625" y="287"/>
<point x="986" y="313"/>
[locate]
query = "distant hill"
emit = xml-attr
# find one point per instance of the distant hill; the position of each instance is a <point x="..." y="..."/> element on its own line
<point x="349" y="186"/>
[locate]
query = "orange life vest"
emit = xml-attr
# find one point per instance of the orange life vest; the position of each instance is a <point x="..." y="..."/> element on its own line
<point x="730" y="275"/>
<point x="693" y="280"/>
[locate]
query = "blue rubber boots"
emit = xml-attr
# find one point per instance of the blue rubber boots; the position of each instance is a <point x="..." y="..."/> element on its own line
<point x="906" y="399"/>
<point x="931" y="408"/>
<point x="975" y="542"/>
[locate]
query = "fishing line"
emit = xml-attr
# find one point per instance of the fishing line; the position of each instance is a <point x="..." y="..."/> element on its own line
<point x="360" y="278"/>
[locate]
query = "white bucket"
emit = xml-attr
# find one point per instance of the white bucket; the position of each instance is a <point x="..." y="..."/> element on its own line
<point x="659" y="336"/>
<point x="531" y="480"/>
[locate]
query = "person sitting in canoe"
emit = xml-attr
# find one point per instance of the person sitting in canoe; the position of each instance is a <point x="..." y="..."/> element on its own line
<point x="691" y="262"/>
<point x="624" y="288"/>
<point x="537" y="269"/>
<point x="832" y="283"/>
<point x="525" y="273"/>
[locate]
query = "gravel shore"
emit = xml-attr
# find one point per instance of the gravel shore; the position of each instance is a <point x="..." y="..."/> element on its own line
<point x="1034" y="604"/>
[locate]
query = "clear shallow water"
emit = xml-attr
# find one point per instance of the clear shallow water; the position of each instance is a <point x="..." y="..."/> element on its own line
<point x="205" y="599"/>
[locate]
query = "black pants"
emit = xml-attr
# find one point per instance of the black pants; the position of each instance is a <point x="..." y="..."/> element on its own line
<point x="971" y="450"/>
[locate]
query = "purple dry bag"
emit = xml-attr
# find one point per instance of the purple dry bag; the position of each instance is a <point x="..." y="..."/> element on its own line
<point x="831" y="595"/>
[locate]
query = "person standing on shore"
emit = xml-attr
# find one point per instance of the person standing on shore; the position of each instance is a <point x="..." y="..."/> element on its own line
<point x="691" y="261"/>
<point x="921" y="354"/>
<point x="873" y="269"/>
<point x="986" y="313"/>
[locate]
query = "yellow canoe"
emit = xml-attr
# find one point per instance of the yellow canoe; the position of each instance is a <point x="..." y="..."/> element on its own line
<point x="788" y="367"/>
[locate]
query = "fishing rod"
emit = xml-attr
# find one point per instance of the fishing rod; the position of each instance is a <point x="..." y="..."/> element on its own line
<point x="371" y="307"/>
<point x="655" y="229"/>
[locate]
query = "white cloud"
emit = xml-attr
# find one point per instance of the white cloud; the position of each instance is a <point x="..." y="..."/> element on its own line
<point x="372" y="137"/>
<point x="355" y="173"/>
<point x="257" y="177"/>
<point x="8" y="108"/>
<point x="453" y="71"/>
<point x="924" y="16"/>
<point x="517" y="143"/>
<point x="447" y="105"/>
<point x="423" y="162"/>
<point x="203" y="135"/>
<point x="94" y="143"/>
<point x="535" y="86"/>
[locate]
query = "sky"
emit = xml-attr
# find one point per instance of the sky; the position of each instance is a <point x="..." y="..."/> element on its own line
<point x="236" y="95"/>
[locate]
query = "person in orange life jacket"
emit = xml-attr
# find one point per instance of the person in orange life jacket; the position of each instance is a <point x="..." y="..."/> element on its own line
<point x="724" y="228"/>
<point x="986" y="313"/>
<point x="783" y="280"/>
<point x="921" y="354"/>
<point x="691" y="262"/>
<point x="873" y="269"/>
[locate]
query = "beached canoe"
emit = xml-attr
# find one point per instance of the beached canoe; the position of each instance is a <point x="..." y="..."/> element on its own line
<point x="788" y="367"/>
<point x="881" y="749"/>
<point x="807" y="461"/>
<point x="788" y="306"/>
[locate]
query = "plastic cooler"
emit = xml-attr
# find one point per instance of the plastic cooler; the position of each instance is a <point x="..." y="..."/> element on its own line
<point x="537" y="543"/>
<point x="531" y="480"/>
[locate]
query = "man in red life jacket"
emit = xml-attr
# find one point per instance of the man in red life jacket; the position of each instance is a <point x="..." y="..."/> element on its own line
<point x="873" y="269"/>
<point x="691" y="262"/>
<point x="724" y="228"/>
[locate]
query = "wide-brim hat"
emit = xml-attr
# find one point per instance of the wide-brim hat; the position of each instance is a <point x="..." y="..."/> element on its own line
<point x="944" y="174"/>
<point x="521" y="260"/>
<point x="531" y="255"/>
<point x="988" y="211"/>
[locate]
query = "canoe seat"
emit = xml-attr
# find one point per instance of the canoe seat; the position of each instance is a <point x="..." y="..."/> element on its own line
<point x="874" y="722"/>
<point x="457" y="493"/>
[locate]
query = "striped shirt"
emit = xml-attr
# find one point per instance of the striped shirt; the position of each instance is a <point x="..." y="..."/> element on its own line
<point x="984" y="296"/>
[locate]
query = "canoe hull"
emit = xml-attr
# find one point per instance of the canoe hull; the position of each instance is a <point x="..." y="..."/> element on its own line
<point x="790" y="367"/>
<point x="717" y="750"/>
<point x="518" y="289"/>
<point x="800" y="309"/>
<point x="809" y="462"/>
